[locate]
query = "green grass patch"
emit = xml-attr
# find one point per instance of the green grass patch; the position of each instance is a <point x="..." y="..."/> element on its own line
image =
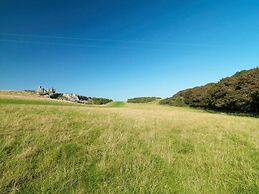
<point x="17" y="101"/>
<point x="117" y="104"/>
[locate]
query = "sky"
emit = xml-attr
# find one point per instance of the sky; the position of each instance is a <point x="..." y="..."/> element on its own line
<point x="122" y="49"/>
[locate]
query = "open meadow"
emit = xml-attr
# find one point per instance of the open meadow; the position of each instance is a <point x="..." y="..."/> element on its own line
<point x="58" y="147"/>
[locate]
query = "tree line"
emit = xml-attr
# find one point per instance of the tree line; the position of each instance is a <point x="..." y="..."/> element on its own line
<point x="142" y="99"/>
<point x="239" y="92"/>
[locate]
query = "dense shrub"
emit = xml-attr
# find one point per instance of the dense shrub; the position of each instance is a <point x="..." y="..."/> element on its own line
<point x="143" y="99"/>
<point x="100" y="101"/>
<point x="196" y="97"/>
<point x="83" y="97"/>
<point x="173" y="101"/>
<point x="239" y="92"/>
<point x="55" y="95"/>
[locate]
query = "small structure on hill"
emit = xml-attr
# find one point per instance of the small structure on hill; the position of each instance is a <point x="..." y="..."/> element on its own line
<point x="41" y="91"/>
<point x="51" y="91"/>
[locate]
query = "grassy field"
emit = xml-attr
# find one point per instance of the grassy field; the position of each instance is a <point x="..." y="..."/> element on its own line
<point x="57" y="147"/>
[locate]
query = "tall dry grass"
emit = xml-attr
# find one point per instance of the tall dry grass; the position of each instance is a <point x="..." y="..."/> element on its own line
<point x="131" y="149"/>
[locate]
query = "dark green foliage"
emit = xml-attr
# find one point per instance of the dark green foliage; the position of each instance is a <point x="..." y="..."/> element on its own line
<point x="55" y="95"/>
<point x="173" y="101"/>
<point x="100" y="101"/>
<point x="239" y="92"/>
<point x="83" y="98"/>
<point x="30" y="91"/>
<point x="196" y="97"/>
<point x="143" y="99"/>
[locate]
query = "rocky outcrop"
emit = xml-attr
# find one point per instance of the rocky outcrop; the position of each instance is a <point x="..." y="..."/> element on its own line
<point x="51" y="93"/>
<point x="71" y="97"/>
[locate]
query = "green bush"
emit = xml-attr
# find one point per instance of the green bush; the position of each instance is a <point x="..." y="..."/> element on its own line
<point x="100" y="101"/>
<point x="143" y="99"/>
<point x="173" y="101"/>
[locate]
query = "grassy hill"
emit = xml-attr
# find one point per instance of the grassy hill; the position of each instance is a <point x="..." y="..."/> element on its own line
<point x="55" y="147"/>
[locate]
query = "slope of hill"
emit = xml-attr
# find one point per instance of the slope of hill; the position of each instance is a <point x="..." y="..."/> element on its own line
<point x="125" y="148"/>
<point x="239" y="92"/>
<point x="58" y="97"/>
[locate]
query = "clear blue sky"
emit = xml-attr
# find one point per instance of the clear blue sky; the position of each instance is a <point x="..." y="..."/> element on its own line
<point x="120" y="49"/>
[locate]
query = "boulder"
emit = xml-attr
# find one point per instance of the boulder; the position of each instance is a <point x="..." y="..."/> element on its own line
<point x="71" y="97"/>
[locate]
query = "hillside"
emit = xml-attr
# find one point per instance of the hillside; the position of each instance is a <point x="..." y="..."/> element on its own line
<point x="58" y="97"/>
<point x="239" y="92"/>
<point x="60" y="147"/>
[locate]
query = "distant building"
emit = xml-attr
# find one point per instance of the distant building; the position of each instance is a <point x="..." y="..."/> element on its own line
<point x="51" y="91"/>
<point x="42" y="91"/>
